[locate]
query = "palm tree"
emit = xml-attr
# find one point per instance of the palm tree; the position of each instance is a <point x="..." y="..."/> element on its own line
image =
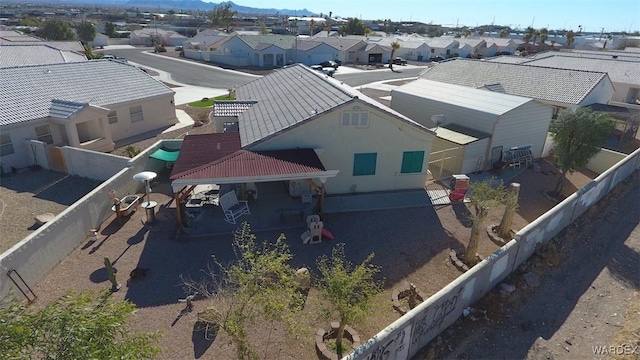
<point x="609" y="37"/>
<point x="481" y="31"/>
<point x="570" y="35"/>
<point x="394" y="46"/>
<point x="467" y="33"/>
<point x="536" y="35"/>
<point x="504" y="33"/>
<point x="528" y="34"/>
<point x="312" y="26"/>
<point x="544" y="35"/>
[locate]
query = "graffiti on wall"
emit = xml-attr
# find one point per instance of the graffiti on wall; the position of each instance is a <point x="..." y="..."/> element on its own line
<point x="396" y="348"/>
<point x="434" y="317"/>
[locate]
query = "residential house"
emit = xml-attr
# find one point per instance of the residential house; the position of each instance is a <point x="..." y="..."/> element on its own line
<point x="481" y="124"/>
<point x="502" y="45"/>
<point x="349" y="48"/>
<point x="443" y="46"/>
<point x="297" y="124"/>
<point x="150" y="36"/>
<point x="311" y="52"/>
<point x="560" y="88"/>
<point x="477" y="47"/>
<point x="88" y="105"/>
<point x="624" y="74"/>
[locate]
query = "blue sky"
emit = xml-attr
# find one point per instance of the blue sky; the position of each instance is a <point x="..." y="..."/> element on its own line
<point x="593" y="15"/>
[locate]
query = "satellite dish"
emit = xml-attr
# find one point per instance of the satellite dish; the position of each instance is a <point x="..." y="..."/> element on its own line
<point x="145" y="176"/>
<point x="438" y="119"/>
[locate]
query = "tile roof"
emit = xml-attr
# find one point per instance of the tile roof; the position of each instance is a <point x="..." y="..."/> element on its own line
<point x="509" y="59"/>
<point x="60" y="109"/>
<point x="589" y="54"/>
<point x="231" y="108"/>
<point x="548" y="84"/>
<point x="292" y="95"/>
<point x="620" y="71"/>
<point x="218" y="155"/>
<point x="97" y="82"/>
<point x="246" y="163"/>
<point x="281" y="41"/>
<point x="35" y="54"/>
<point x="198" y="150"/>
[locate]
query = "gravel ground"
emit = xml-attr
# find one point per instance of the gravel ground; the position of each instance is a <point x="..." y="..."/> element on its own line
<point x="588" y="295"/>
<point x="411" y="245"/>
<point x="29" y="193"/>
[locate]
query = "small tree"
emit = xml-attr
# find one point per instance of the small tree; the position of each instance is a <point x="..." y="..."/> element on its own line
<point x="76" y="326"/>
<point x="86" y="32"/>
<point x="55" y="30"/>
<point x="110" y="30"/>
<point x="484" y="195"/>
<point x="578" y="135"/>
<point x="259" y="283"/>
<point x="394" y="47"/>
<point x="221" y="16"/>
<point x="349" y="289"/>
<point x="511" y="205"/>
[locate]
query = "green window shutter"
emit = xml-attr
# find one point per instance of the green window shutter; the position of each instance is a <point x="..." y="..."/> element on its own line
<point x="412" y="162"/>
<point x="364" y="164"/>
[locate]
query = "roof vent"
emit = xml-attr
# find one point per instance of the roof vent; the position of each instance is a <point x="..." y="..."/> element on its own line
<point x="614" y="56"/>
<point x="47" y="71"/>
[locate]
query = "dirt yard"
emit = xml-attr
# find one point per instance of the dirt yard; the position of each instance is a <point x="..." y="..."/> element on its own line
<point x="416" y="252"/>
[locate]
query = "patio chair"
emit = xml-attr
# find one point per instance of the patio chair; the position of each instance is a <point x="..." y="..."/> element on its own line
<point x="233" y="208"/>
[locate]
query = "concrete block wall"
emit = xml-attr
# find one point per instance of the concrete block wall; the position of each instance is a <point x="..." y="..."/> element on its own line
<point x="407" y="335"/>
<point x="86" y="163"/>
<point x="39" y="253"/>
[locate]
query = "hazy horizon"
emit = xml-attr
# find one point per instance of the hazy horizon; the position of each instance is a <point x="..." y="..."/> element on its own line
<point x="592" y="15"/>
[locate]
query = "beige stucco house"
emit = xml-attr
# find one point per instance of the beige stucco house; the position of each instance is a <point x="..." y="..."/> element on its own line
<point x="88" y="105"/>
<point x="297" y="124"/>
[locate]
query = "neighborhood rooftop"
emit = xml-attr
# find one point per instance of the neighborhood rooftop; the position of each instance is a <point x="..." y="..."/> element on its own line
<point x="290" y="96"/>
<point x="462" y="96"/>
<point x="556" y="85"/>
<point x="620" y="71"/>
<point x="29" y="90"/>
<point x="36" y="54"/>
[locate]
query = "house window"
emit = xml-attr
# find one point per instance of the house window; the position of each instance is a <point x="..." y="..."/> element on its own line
<point x="357" y="119"/>
<point x="433" y="51"/>
<point x="412" y="162"/>
<point x="364" y="164"/>
<point x="43" y="133"/>
<point x="113" y="117"/>
<point x="136" y="113"/>
<point x="6" y="147"/>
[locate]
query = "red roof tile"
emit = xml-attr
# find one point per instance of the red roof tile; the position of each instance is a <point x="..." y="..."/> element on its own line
<point x="197" y="150"/>
<point x="219" y="155"/>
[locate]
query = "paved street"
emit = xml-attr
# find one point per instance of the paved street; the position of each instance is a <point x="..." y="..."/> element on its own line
<point x="193" y="73"/>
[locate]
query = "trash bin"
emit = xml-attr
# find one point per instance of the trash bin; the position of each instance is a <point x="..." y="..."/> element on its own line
<point x="150" y="210"/>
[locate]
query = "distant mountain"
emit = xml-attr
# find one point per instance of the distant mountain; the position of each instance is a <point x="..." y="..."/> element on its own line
<point x="174" y="4"/>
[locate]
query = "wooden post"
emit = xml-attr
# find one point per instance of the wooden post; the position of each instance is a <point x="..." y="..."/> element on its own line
<point x="322" y="181"/>
<point x="178" y="211"/>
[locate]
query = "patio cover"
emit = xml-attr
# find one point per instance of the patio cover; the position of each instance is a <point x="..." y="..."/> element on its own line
<point x="169" y="156"/>
<point x="219" y="159"/>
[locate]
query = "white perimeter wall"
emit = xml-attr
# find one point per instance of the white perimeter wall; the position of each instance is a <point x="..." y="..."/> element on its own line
<point x="407" y="335"/>
<point x="39" y="253"/>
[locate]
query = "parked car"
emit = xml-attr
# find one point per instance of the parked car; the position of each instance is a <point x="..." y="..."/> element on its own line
<point x="399" y="61"/>
<point x="327" y="70"/>
<point x="329" y="63"/>
<point x="436" y="58"/>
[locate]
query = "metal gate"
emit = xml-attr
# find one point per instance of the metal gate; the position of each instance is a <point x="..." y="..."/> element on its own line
<point x="56" y="159"/>
<point x="442" y="164"/>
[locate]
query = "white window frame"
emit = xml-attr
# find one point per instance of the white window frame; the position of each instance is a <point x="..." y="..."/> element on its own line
<point x="45" y="136"/>
<point x="136" y="114"/>
<point x="113" y="117"/>
<point x="355" y="119"/>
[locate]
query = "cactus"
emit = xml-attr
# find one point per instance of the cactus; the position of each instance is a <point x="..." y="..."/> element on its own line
<point x="111" y="272"/>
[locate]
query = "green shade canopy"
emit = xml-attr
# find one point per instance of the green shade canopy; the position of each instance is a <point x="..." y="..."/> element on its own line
<point x="169" y="156"/>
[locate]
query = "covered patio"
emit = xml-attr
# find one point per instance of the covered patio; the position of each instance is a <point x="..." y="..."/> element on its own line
<point x="274" y="187"/>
